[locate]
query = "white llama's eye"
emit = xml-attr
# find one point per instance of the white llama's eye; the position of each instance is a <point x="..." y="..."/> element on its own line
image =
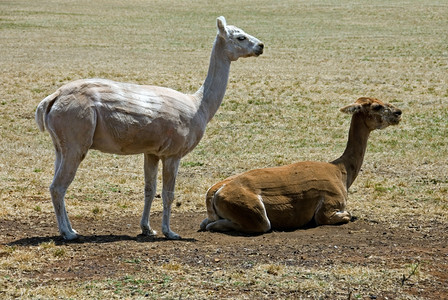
<point x="241" y="38"/>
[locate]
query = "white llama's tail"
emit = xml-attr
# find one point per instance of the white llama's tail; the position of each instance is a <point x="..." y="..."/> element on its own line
<point x="43" y="108"/>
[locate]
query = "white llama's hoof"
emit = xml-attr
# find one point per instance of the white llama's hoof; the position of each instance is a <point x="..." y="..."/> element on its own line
<point x="149" y="232"/>
<point x="172" y="235"/>
<point x="70" y="235"/>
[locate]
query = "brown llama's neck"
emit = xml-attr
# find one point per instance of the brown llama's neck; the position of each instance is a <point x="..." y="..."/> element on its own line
<point x="353" y="156"/>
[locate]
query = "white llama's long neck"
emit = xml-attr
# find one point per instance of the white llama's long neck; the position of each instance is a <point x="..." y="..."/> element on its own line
<point x="212" y="92"/>
<point x="353" y="156"/>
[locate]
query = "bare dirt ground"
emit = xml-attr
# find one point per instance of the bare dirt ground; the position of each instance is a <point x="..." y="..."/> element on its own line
<point x="103" y="252"/>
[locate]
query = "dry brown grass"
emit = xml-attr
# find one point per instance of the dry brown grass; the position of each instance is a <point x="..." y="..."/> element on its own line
<point x="279" y="108"/>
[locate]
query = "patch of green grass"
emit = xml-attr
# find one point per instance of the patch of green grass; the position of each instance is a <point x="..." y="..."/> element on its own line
<point x="59" y="252"/>
<point x="190" y="164"/>
<point x="19" y="25"/>
<point x="133" y="261"/>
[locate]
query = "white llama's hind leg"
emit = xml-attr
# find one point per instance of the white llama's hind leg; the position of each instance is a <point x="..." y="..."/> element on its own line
<point x="58" y="159"/>
<point x="66" y="167"/>
<point x="151" y="168"/>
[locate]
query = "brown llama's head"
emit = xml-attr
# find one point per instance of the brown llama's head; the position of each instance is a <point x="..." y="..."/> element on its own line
<point x="377" y="114"/>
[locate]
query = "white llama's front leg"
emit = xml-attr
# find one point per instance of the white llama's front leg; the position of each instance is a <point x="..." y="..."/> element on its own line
<point x="170" y="167"/>
<point x="150" y="168"/>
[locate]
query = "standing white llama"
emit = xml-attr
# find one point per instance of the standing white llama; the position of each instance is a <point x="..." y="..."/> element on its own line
<point x="123" y="118"/>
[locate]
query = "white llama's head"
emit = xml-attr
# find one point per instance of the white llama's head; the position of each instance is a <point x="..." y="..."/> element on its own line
<point x="237" y="42"/>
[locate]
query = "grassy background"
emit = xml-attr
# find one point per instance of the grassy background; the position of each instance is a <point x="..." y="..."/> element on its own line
<point x="279" y="108"/>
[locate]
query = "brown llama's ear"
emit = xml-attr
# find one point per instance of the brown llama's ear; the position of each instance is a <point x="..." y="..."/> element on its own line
<point x="221" y="24"/>
<point x="352" y="108"/>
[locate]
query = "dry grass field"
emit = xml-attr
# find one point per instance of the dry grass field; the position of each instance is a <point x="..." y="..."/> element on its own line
<point x="279" y="108"/>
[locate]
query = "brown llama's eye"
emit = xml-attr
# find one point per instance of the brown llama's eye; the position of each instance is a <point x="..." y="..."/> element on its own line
<point x="376" y="107"/>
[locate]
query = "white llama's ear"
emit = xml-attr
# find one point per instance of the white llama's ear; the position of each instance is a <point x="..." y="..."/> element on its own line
<point x="352" y="108"/>
<point x="221" y="23"/>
